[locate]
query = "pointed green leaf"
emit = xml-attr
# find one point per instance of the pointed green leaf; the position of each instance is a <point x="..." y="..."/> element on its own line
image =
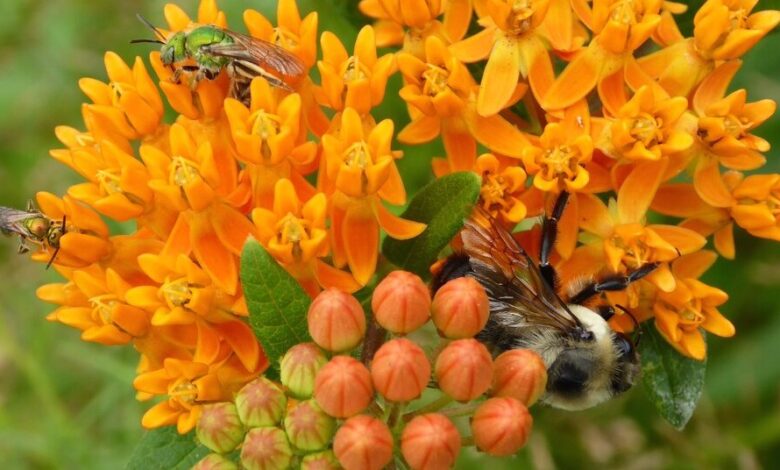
<point x="673" y="382"/>
<point x="165" y="448"/>
<point x="444" y="205"/>
<point x="277" y="303"/>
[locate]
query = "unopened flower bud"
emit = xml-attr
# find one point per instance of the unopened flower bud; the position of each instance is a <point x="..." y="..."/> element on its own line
<point x="460" y="308"/>
<point x="401" y="302"/>
<point x="215" y="462"/>
<point x="400" y="370"/>
<point x="363" y="443"/>
<point x="343" y="387"/>
<point x="299" y="367"/>
<point x="336" y="321"/>
<point x="308" y="427"/>
<point x="266" y="449"/>
<point x="501" y="426"/>
<point x="430" y="442"/>
<point x="464" y="369"/>
<point x="219" y="427"/>
<point x="325" y="460"/>
<point x="261" y="403"/>
<point x="520" y="374"/>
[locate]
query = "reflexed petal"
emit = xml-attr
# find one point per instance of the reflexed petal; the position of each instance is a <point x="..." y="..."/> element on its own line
<point x="709" y="184"/>
<point x="576" y="81"/>
<point x="638" y="189"/>
<point x="717" y="324"/>
<point x="396" y="227"/>
<point x="161" y="414"/>
<point x="328" y="277"/>
<point x="243" y="342"/>
<point x="361" y="243"/>
<point x="502" y="70"/>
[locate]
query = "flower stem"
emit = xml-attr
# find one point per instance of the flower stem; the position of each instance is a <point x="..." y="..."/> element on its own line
<point x="467" y="441"/>
<point x="463" y="410"/>
<point x="435" y="405"/>
<point x="375" y="336"/>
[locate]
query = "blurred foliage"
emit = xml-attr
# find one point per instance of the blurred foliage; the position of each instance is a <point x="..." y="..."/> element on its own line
<point x="69" y="404"/>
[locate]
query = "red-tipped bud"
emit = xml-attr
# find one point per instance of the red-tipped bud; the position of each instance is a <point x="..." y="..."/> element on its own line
<point x="520" y="374"/>
<point x="400" y="370"/>
<point x="464" y="369"/>
<point x="363" y="443"/>
<point x="401" y="302"/>
<point x="308" y="427"/>
<point x="299" y="367"/>
<point x="261" y="403"/>
<point x="219" y="427"/>
<point x="460" y="308"/>
<point x="320" y="461"/>
<point x="266" y="449"/>
<point x="430" y="442"/>
<point x="343" y="387"/>
<point x="501" y="426"/>
<point x="215" y="462"/>
<point x="336" y="321"/>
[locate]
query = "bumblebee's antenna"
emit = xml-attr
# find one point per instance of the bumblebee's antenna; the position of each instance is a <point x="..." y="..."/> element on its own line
<point x="154" y="29"/>
<point x="637" y="325"/>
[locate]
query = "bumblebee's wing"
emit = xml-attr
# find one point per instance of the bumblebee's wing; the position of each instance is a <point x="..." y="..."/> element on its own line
<point x="261" y="53"/>
<point x="511" y="278"/>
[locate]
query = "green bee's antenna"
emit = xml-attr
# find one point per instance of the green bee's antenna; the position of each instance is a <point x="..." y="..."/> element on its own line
<point x="160" y="36"/>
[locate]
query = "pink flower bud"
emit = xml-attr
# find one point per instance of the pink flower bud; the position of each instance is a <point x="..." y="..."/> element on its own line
<point x="336" y="321"/>
<point x="501" y="426"/>
<point x="261" y="403"/>
<point x="308" y="427"/>
<point x="299" y="367"/>
<point x="219" y="427"/>
<point x="401" y="302"/>
<point x="265" y="449"/>
<point x="325" y="460"/>
<point x="460" y="308"/>
<point x="343" y="387"/>
<point x="430" y="442"/>
<point x="520" y="374"/>
<point x="363" y="443"/>
<point x="464" y="369"/>
<point x="215" y="462"/>
<point x="400" y="370"/>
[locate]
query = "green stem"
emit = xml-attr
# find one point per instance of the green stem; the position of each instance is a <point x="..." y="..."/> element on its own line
<point x="467" y="441"/>
<point x="431" y="407"/>
<point x="464" y="410"/>
<point x="395" y="413"/>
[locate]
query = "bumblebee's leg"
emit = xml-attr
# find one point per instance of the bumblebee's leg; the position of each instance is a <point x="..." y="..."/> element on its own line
<point x="612" y="283"/>
<point x="549" y="234"/>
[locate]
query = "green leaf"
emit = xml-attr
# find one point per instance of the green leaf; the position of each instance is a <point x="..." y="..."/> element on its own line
<point x="444" y="205"/>
<point x="277" y="303"/>
<point x="673" y="381"/>
<point x="165" y="448"/>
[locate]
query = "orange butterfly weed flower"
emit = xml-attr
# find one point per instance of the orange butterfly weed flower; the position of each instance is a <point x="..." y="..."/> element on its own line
<point x="359" y="170"/>
<point x="503" y="189"/>
<point x="692" y="306"/>
<point x="294" y="232"/>
<point x="439" y="91"/>
<point x="357" y="81"/>
<point x="757" y="207"/>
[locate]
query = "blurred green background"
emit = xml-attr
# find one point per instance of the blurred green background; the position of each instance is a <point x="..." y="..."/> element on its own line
<point x="69" y="404"/>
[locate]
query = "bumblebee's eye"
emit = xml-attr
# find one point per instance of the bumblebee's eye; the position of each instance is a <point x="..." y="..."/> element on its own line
<point x="623" y="345"/>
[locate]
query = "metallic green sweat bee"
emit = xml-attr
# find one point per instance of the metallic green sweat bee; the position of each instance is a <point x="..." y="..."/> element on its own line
<point x="212" y="49"/>
<point x="33" y="227"/>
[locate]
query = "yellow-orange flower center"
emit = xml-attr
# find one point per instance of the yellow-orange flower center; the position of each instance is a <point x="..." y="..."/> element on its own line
<point x="117" y="90"/>
<point x="109" y="181"/>
<point x="177" y="292"/>
<point x="493" y="192"/>
<point x="102" y="307"/>
<point x="265" y="126"/>
<point x="354" y="69"/>
<point x="183" y="171"/>
<point x="285" y="38"/>
<point x="520" y="20"/>
<point x="628" y="12"/>
<point x="635" y="251"/>
<point x="291" y="229"/>
<point x="435" y="80"/>
<point x="647" y="129"/>
<point x="358" y="155"/>
<point x="184" y="392"/>
<point x="560" y="162"/>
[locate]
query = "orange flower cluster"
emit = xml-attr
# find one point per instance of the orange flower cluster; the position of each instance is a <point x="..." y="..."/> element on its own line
<point x="338" y="412"/>
<point x="307" y="171"/>
<point x="663" y="131"/>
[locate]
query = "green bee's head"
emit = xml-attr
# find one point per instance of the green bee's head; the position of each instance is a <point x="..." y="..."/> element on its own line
<point x="174" y="50"/>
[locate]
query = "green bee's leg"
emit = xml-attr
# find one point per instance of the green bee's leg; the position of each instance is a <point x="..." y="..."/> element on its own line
<point x="31" y="206"/>
<point x="23" y="248"/>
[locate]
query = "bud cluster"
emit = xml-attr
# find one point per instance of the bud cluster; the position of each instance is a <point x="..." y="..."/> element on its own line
<point x="333" y="411"/>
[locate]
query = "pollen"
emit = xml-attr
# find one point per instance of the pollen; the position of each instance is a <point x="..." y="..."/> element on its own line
<point x="647" y="129"/>
<point x="560" y="162"/>
<point x="184" y="391"/>
<point x="435" y="80"/>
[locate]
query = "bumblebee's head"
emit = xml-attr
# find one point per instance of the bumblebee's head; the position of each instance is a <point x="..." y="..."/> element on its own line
<point x="585" y="372"/>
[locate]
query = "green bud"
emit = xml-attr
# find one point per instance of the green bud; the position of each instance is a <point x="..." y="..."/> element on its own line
<point x="261" y="403"/>
<point x="325" y="460"/>
<point x="217" y="462"/>
<point x="266" y="449"/>
<point x="299" y="368"/>
<point x="219" y="427"/>
<point x="308" y="427"/>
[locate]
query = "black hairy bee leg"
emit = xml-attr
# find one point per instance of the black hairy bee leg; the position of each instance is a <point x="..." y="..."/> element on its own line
<point x="549" y="234"/>
<point x="613" y="283"/>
